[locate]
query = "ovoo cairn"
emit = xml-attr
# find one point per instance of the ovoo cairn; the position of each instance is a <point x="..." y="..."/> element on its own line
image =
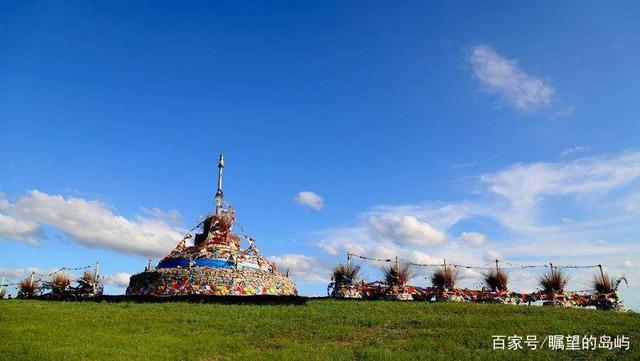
<point x="215" y="264"/>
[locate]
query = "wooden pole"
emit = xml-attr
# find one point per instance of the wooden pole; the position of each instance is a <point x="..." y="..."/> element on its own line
<point x="95" y="274"/>
<point x="397" y="270"/>
<point x="553" y="292"/>
<point x="601" y="272"/>
<point x="444" y="273"/>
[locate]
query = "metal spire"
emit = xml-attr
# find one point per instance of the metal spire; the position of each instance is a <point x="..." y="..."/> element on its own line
<point x="219" y="192"/>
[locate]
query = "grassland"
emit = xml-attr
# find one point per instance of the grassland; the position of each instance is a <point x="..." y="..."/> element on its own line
<point x="322" y="329"/>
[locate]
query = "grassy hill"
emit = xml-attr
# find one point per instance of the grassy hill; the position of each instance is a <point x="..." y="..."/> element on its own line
<point x="322" y="329"/>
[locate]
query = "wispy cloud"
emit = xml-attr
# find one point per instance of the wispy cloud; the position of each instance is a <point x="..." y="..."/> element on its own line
<point x="575" y="150"/>
<point x="503" y="76"/>
<point x="525" y="185"/>
<point x="303" y="268"/>
<point x="464" y="165"/>
<point x="310" y="200"/>
<point x="565" y="111"/>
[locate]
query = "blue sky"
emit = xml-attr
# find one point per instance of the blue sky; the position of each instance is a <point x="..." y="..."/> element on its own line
<point x="452" y="130"/>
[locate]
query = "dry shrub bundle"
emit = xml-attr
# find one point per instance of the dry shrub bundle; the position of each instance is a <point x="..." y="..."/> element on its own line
<point x="496" y="280"/>
<point x="27" y="288"/>
<point x="604" y="284"/>
<point x="345" y="274"/>
<point x="59" y="282"/>
<point x="397" y="276"/>
<point x="445" y="278"/>
<point x="87" y="277"/>
<point x="553" y="281"/>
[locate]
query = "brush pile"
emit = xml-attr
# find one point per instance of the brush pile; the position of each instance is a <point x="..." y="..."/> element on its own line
<point x="496" y="280"/>
<point x="552" y="287"/>
<point x="396" y="278"/>
<point x="59" y="287"/>
<point x="344" y="281"/>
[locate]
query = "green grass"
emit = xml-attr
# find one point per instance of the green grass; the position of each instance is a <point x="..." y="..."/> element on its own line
<point x="322" y="329"/>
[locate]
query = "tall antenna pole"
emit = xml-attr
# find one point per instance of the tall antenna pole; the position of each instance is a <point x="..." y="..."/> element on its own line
<point x="219" y="192"/>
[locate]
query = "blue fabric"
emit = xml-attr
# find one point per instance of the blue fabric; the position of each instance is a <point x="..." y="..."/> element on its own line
<point x="204" y="262"/>
<point x="212" y="262"/>
<point x="173" y="263"/>
<point x="201" y="262"/>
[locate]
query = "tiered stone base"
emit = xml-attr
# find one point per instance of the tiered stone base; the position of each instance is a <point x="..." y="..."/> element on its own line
<point x="210" y="281"/>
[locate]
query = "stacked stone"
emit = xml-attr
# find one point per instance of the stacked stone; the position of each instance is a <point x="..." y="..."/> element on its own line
<point x="210" y="281"/>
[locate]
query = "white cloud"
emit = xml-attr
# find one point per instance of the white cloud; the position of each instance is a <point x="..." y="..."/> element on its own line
<point x="18" y="274"/>
<point x="502" y="76"/>
<point x="19" y="230"/>
<point x="339" y="241"/>
<point x="473" y="238"/>
<point x="420" y="257"/>
<point x="302" y="267"/>
<point x="120" y="279"/>
<point x="328" y="248"/>
<point x="310" y="200"/>
<point x="407" y="230"/>
<point x="490" y="255"/>
<point x="575" y="150"/>
<point x="523" y="281"/>
<point x="555" y="248"/>
<point x="11" y="273"/>
<point x="438" y="215"/>
<point x="171" y="217"/>
<point x="94" y="225"/>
